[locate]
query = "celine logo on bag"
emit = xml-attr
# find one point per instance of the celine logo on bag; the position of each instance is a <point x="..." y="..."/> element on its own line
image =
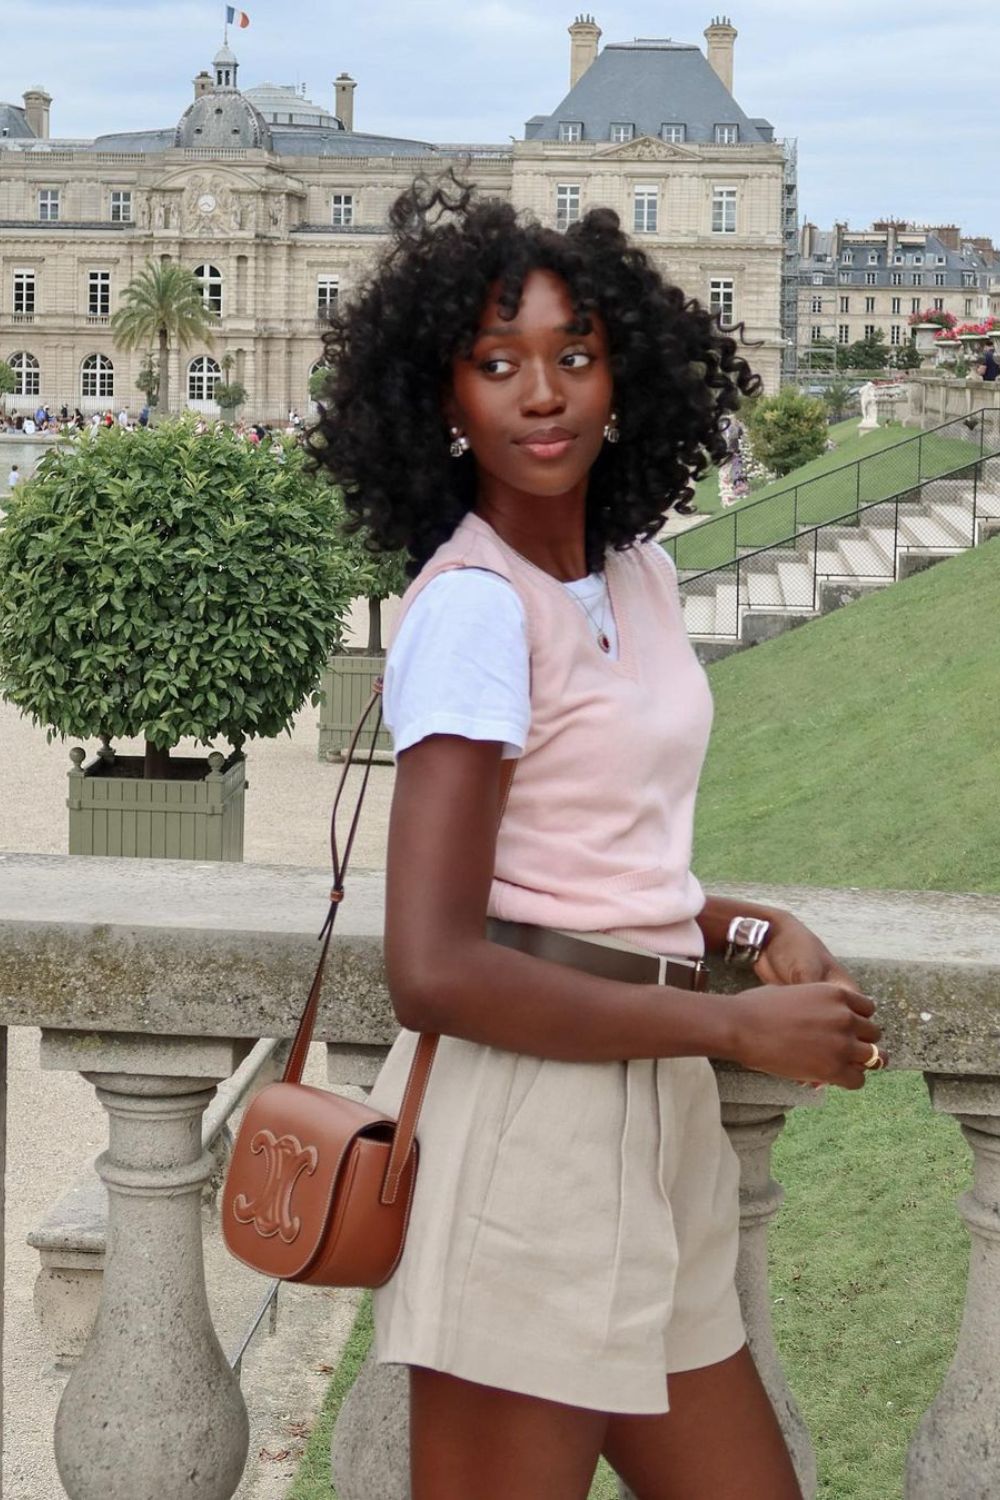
<point x="285" y="1160"/>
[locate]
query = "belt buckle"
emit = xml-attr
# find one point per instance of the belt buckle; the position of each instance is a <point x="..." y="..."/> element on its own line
<point x="697" y="968"/>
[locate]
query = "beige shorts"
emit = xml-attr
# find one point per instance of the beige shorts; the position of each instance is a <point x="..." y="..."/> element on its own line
<point x="574" y="1230"/>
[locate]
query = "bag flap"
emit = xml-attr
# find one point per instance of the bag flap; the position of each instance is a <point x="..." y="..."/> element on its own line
<point x="283" y="1174"/>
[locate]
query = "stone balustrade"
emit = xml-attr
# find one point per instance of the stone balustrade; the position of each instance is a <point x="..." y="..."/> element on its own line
<point x="153" y="980"/>
<point x="935" y="399"/>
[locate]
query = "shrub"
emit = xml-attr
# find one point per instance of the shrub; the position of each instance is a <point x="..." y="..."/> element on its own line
<point x="787" y="430"/>
<point x="838" y="397"/>
<point x="167" y="584"/>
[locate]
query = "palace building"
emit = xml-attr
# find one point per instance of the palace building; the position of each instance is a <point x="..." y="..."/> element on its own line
<point x="278" y="205"/>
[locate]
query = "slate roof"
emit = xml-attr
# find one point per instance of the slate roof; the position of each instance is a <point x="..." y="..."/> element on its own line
<point x="14" y="123"/>
<point x="649" y="84"/>
<point x="938" y="259"/>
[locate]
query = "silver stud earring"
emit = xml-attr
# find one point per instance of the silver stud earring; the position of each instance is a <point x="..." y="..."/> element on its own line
<point x="461" y="445"/>
<point x="612" y="432"/>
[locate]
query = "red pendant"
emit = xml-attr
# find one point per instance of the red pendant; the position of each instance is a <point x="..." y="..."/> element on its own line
<point x="603" y="642"/>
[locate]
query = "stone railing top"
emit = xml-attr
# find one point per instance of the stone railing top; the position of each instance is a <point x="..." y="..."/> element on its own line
<point x="183" y="948"/>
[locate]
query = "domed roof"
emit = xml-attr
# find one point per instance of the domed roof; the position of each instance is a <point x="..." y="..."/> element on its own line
<point x="225" y="54"/>
<point x="223" y="118"/>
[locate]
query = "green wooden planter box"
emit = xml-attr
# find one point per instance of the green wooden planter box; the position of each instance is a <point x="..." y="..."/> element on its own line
<point x="198" y="815"/>
<point x="345" y="687"/>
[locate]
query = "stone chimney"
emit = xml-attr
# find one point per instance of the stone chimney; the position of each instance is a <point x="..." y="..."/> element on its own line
<point x="585" y="35"/>
<point x="721" y="36"/>
<point x="203" y="84"/>
<point x="950" y="235"/>
<point x="344" y="87"/>
<point x="36" y="107"/>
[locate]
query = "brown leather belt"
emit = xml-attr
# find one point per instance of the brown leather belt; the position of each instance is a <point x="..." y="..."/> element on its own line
<point x="605" y="960"/>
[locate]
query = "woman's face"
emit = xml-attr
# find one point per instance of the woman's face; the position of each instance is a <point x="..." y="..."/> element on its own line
<point x="533" y="399"/>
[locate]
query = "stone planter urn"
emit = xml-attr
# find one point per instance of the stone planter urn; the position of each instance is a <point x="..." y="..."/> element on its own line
<point x="197" y="814"/>
<point x="345" y="687"/>
<point x="926" y="337"/>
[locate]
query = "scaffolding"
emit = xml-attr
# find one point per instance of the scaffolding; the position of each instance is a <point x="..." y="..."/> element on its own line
<point x="790" y="266"/>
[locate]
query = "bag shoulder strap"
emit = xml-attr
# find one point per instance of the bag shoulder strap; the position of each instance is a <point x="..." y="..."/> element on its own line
<point x="423" y="1058"/>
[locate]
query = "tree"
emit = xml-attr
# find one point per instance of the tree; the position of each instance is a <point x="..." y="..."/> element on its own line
<point x="821" y="354"/>
<point x="788" y="430"/>
<point x="870" y="353"/>
<point x="166" y="583"/>
<point x="148" y="379"/>
<point x="907" y="357"/>
<point x="163" y="302"/>
<point x="838" y="398"/>
<point x="374" y="575"/>
<point x="8" y="381"/>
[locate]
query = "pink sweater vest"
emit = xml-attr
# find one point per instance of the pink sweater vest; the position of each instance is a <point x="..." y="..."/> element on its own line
<point x="597" y="832"/>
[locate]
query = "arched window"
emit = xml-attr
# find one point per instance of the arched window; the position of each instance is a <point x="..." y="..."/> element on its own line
<point x="27" y="374"/>
<point x="97" y="377"/>
<point x="211" y="287"/>
<point x="203" y="376"/>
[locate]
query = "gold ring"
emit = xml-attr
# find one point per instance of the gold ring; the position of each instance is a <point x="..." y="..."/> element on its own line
<point x="875" y="1061"/>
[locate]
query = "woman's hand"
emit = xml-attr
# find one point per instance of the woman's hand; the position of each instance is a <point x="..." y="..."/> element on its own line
<point x="813" y="1033"/>
<point x="794" y="955"/>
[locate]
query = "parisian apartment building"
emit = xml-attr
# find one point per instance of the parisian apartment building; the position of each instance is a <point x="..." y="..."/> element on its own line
<point x="854" y="283"/>
<point x="278" y="205"/>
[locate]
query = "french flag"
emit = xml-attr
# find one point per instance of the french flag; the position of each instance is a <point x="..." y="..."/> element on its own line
<point x="237" y="17"/>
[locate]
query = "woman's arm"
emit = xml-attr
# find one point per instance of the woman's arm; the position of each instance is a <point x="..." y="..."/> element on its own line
<point x="793" y="954"/>
<point x="445" y="976"/>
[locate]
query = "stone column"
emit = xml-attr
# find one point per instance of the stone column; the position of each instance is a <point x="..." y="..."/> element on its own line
<point x="152" y="1410"/>
<point x="753" y="1111"/>
<point x="956" y="1449"/>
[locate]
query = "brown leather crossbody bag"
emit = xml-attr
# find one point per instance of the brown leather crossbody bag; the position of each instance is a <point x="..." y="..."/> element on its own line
<point x="319" y="1187"/>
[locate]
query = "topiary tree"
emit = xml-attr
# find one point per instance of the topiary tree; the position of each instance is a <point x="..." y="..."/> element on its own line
<point x="166" y="584"/>
<point x="787" y="430"/>
<point x="374" y="575"/>
<point x="8" y="382"/>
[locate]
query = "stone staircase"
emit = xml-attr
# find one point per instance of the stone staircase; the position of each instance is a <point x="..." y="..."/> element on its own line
<point x="766" y="591"/>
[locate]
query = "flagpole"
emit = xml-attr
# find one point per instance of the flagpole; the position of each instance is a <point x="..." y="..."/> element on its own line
<point x="225" y="26"/>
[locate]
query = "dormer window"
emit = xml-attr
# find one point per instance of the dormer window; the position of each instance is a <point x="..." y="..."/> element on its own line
<point x="620" y="133"/>
<point x="727" y="135"/>
<point x="674" y="134"/>
<point x="848" y="257"/>
<point x="897" y="259"/>
<point x="873" y="257"/>
<point x="570" y="131"/>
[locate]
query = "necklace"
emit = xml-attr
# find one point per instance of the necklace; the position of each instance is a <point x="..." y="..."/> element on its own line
<point x="599" y="630"/>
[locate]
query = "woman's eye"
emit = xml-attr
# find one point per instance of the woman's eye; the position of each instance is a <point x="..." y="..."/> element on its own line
<point x="579" y="354"/>
<point x="488" y="365"/>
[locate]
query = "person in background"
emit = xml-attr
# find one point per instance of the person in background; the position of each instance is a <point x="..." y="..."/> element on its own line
<point x="987" y="365"/>
<point x="13" y="477"/>
<point x="733" y="482"/>
<point x="123" y="417"/>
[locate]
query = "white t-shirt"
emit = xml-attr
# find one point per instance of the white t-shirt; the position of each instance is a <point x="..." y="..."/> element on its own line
<point x="459" y="664"/>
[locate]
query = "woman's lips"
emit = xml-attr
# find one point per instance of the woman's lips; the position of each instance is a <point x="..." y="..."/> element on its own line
<point x="549" y="450"/>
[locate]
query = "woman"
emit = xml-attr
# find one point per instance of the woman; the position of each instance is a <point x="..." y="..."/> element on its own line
<point x="519" y="408"/>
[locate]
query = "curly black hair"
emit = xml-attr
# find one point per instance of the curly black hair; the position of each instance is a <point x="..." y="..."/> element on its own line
<point x="382" y="432"/>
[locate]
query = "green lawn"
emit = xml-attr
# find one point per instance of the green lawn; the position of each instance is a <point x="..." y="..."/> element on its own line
<point x="829" y="487"/>
<point x="861" y="749"/>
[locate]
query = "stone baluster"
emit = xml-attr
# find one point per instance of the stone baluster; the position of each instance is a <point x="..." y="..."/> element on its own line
<point x="152" y="1410"/>
<point x="753" y="1111"/>
<point x="956" y="1449"/>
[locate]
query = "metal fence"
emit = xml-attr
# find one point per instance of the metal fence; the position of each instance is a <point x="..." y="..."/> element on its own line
<point x="779" y="516"/>
<point x="864" y="545"/>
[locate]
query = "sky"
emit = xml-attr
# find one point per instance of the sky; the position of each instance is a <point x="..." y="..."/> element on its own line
<point x="895" y="104"/>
